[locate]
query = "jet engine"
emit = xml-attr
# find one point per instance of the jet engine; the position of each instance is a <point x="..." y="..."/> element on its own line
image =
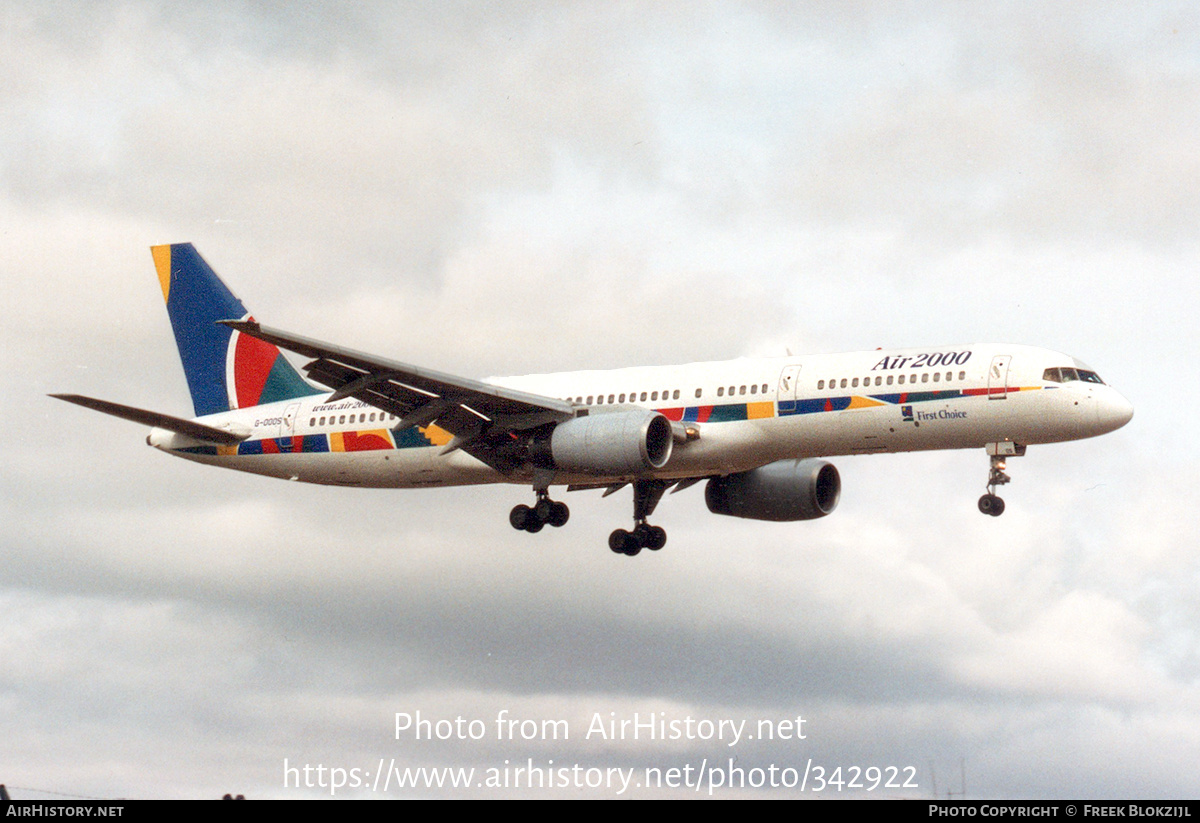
<point x="780" y="491"/>
<point x="610" y="443"/>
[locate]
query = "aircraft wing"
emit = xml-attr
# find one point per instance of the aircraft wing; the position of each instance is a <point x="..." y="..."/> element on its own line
<point x="482" y="417"/>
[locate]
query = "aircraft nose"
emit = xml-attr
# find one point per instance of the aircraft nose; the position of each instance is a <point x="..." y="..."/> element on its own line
<point x="1113" y="411"/>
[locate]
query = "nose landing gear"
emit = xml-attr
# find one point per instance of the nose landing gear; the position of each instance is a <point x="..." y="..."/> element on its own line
<point x="991" y="503"/>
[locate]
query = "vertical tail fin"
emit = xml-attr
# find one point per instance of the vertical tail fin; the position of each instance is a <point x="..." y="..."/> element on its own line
<point x="225" y="369"/>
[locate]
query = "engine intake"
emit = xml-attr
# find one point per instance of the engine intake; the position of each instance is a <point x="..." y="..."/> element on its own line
<point x="781" y="491"/>
<point x="613" y="443"/>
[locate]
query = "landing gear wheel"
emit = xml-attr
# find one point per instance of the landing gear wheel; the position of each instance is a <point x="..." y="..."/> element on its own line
<point x="542" y="508"/>
<point x="641" y="535"/>
<point x="622" y="542"/>
<point x="991" y="504"/>
<point x="520" y="516"/>
<point x="559" y="514"/>
<point x="656" y="538"/>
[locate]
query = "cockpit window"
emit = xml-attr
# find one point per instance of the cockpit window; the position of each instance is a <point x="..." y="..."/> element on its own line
<point x="1067" y="375"/>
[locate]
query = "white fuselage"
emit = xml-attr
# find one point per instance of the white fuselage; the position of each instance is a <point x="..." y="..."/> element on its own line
<point x="747" y="413"/>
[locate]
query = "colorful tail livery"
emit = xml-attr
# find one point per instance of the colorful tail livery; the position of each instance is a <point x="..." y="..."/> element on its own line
<point x="225" y="369"/>
<point x="756" y="429"/>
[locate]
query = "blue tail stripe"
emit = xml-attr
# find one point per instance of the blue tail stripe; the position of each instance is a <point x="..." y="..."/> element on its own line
<point x="196" y="300"/>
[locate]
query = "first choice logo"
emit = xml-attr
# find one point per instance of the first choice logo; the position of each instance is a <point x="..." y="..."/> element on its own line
<point x="943" y="414"/>
<point x="908" y="415"/>
<point x="917" y="361"/>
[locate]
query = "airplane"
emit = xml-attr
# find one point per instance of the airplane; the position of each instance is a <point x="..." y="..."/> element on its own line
<point x="757" y="431"/>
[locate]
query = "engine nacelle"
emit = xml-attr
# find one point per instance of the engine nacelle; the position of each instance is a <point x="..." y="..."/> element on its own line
<point x="612" y="443"/>
<point x="780" y="491"/>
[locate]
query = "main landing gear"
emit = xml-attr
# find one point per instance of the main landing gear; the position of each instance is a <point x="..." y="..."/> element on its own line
<point x="991" y="503"/>
<point x="646" y="494"/>
<point x="544" y="511"/>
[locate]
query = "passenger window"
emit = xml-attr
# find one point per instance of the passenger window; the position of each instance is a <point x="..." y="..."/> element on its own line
<point x="820" y="385"/>
<point x="741" y="389"/>
<point x="699" y="392"/>
<point x="854" y="383"/>
<point x="720" y="391"/>
<point x="925" y="377"/>
<point x="754" y="389"/>
<point x="901" y="380"/>
<point x="889" y="380"/>
<point x="937" y="376"/>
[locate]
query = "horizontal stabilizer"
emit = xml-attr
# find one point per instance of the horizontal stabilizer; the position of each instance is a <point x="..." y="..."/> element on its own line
<point x="188" y="428"/>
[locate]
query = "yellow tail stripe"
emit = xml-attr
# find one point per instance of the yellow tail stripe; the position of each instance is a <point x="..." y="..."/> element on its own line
<point x="162" y="264"/>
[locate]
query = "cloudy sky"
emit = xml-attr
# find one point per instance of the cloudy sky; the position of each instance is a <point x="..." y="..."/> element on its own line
<point x="505" y="188"/>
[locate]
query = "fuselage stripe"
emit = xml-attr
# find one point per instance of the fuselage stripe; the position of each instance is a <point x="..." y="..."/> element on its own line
<point x="384" y="439"/>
